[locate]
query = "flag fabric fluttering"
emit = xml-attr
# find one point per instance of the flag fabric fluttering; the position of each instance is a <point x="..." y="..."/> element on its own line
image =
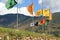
<point x="46" y="12"/>
<point x="32" y="24"/>
<point x="36" y="24"/>
<point x="41" y="22"/>
<point x="50" y="17"/>
<point x="47" y="16"/>
<point x="30" y="8"/>
<point x="38" y="13"/>
<point x="47" y="22"/>
<point x="10" y="4"/>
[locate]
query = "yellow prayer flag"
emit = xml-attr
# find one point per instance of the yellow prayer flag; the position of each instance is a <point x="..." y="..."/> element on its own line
<point x="50" y="17"/>
<point x="39" y="12"/>
<point x="46" y="12"/>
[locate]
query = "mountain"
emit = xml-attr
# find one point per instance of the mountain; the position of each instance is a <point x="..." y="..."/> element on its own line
<point x="10" y="21"/>
<point x="56" y="18"/>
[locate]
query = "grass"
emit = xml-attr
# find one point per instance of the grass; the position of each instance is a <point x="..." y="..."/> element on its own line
<point x="22" y="33"/>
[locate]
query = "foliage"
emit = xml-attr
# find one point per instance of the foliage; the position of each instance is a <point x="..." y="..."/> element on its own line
<point x="21" y="33"/>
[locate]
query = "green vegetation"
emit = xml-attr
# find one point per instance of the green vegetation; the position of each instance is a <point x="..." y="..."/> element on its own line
<point x="21" y="33"/>
<point x="17" y="32"/>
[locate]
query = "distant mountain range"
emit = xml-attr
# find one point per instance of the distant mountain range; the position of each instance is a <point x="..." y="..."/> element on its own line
<point x="10" y="21"/>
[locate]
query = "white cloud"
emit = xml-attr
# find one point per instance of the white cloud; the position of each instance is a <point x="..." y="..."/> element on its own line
<point x="19" y="1"/>
<point x="22" y="10"/>
<point x="53" y="4"/>
<point x="39" y="1"/>
<point x="4" y="10"/>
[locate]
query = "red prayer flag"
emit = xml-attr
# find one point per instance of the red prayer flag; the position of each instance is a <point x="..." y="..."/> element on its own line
<point x="43" y="21"/>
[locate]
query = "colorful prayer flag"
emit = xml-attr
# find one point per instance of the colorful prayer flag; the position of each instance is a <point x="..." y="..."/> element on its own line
<point x="32" y="24"/>
<point x="39" y="12"/>
<point x="41" y="22"/>
<point x="46" y="12"/>
<point x="10" y="4"/>
<point x="50" y="17"/>
<point x="47" y="22"/>
<point x="36" y="24"/>
<point x="30" y="8"/>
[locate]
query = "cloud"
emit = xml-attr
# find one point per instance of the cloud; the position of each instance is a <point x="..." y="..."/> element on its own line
<point x="22" y="10"/>
<point x="54" y="5"/>
<point x="39" y="1"/>
<point x="4" y="10"/>
<point x="19" y="1"/>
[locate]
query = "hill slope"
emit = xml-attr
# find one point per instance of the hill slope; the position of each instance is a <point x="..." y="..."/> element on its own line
<point x="10" y="20"/>
<point x="24" y="35"/>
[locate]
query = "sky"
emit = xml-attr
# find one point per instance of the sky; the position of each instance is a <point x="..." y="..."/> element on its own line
<point x="54" y="5"/>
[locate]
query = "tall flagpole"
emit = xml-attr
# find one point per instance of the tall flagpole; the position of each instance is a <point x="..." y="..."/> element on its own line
<point x="43" y="28"/>
<point x="32" y="13"/>
<point x="49" y="22"/>
<point x="49" y="27"/>
<point x="17" y="15"/>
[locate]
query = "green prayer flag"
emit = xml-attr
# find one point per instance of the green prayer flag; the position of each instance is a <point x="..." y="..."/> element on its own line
<point x="10" y="4"/>
<point x="47" y="22"/>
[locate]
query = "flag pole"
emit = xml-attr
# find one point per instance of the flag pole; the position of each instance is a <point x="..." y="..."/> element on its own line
<point x="32" y="13"/>
<point x="17" y="16"/>
<point x="49" y="23"/>
<point x="49" y="27"/>
<point x="43" y="29"/>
